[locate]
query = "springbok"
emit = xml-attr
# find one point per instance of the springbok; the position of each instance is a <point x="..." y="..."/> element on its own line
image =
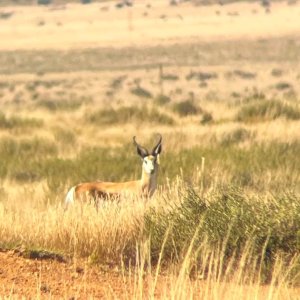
<point x="144" y="187"/>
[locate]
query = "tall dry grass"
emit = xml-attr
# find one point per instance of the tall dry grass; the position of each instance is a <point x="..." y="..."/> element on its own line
<point x="211" y="243"/>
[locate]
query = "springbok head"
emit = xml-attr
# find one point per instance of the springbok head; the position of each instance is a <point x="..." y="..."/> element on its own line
<point x="150" y="160"/>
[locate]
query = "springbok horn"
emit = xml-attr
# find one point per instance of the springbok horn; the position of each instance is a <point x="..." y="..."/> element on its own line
<point x="142" y="152"/>
<point x="157" y="149"/>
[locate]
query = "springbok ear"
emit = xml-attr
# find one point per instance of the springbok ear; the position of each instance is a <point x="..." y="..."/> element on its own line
<point x="157" y="159"/>
<point x="157" y="149"/>
<point x="141" y="151"/>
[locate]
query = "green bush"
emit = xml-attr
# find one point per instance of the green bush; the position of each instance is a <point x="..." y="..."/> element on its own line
<point x="47" y="84"/>
<point x="18" y="122"/>
<point x="202" y="76"/>
<point x="170" y="77"/>
<point x="60" y="105"/>
<point x="129" y="114"/>
<point x="206" y="118"/>
<point x="267" y="110"/>
<point x="186" y="108"/>
<point x="226" y="217"/>
<point x="6" y="15"/>
<point x="242" y="74"/>
<point x="236" y="136"/>
<point x="116" y="83"/>
<point x="141" y="92"/>
<point x="162" y="100"/>
<point x="283" y="86"/>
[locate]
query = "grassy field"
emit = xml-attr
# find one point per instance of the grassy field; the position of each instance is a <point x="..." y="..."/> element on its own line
<point x="224" y="222"/>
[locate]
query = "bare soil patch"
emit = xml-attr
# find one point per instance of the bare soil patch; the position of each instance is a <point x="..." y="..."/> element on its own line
<point x="32" y="278"/>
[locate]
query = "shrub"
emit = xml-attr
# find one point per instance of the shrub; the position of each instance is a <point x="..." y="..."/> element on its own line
<point x="283" y="86"/>
<point x="256" y="95"/>
<point x="244" y="74"/>
<point x="162" y="100"/>
<point x="225" y="217"/>
<point x="236" y="136"/>
<point x="116" y="83"/>
<point x="206" y="118"/>
<point x="202" y="76"/>
<point x="186" y="108"/>
<point x="141" y="92"/>
<point x="267" y="110"/>
<point x="25" y="176"/>
<point x="18" y="122"/>
<point x="48" y="84"/>
<point x="60" y="105"/>
<point x="170" y="77"/>
<point x="129" y="114"/>
<point x="5" y="15"/>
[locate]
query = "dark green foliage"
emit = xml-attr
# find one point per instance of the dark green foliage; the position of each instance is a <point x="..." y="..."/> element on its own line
<point x="170" y="77"/>
<point x="42" y="255"/>
<point x="5" y="15"/>
<point x="141" y="92"/>
<point x="129" y="114"/>
<point x="116" y="83"/>
<point x="267" y="110"/>
<point x="162" y="100"/>
<point x="206" y="118"/>
<point x="244" y="74"/>
<point x="186" y="108"/>
<point x="241" y="74"/>
<point x="201" y="76"/>
<point x="283" y="86"/>
<point x="228" y="214"/>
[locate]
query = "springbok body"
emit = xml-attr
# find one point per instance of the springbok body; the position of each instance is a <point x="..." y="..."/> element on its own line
<point x="103" y="190"/>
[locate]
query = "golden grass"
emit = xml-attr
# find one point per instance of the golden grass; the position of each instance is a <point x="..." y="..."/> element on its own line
<point x="107" y="236"/>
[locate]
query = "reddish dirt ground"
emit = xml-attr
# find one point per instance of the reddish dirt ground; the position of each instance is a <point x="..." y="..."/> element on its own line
<point x="32" y="278"/>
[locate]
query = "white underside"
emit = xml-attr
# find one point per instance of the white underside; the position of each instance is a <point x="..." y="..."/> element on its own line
<point x="70" y="197"/>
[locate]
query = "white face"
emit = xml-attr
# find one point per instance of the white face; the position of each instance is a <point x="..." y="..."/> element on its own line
<point x="149" y="164"/>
